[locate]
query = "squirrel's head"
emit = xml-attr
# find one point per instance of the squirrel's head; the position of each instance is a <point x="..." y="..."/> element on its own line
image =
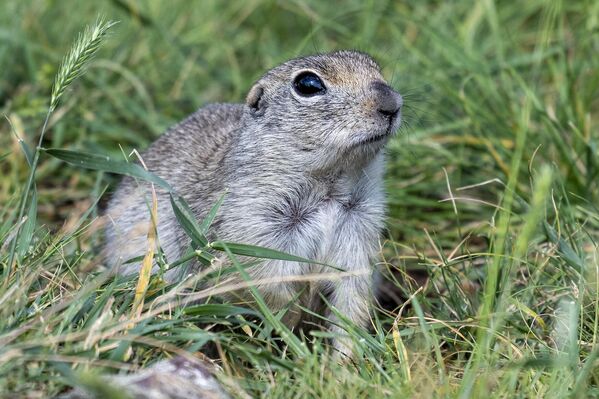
<point x="330" y="109"/>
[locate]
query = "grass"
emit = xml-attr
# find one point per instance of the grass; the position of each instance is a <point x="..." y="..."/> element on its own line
<point x="493" y="186"/>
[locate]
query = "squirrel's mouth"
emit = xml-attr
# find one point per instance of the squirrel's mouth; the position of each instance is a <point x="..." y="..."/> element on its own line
<point x="380" y="137"/>
<point x="377" y="138"/>
<point x="372" y="141"/>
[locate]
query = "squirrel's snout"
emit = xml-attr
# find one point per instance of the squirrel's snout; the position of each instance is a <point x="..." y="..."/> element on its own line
<point x="389" y="101"/>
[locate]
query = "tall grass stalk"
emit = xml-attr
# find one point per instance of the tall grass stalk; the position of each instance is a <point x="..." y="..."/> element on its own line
<point x="85" y="47"/>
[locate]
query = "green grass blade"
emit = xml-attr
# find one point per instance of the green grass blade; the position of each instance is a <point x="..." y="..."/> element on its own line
<point x="218" y="310"/>
<point x="106" y="164"/>
<point x="256" y="251"/>
<point x="188" y="221"/>
<point x="207" y="222"/>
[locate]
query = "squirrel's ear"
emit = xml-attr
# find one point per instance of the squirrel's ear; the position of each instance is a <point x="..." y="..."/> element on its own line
<point x="254" y="100"/>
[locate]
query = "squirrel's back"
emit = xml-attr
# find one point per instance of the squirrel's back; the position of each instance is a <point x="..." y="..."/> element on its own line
<point x="188" y="156"/>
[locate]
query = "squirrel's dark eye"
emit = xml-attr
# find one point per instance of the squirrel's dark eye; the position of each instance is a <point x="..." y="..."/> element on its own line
<point x="308" y="84"/>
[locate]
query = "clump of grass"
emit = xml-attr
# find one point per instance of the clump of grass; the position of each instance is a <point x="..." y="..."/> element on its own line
<point x="491" y="251"/>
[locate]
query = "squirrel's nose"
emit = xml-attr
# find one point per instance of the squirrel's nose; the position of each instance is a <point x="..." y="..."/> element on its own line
<point x="389" y="101"/>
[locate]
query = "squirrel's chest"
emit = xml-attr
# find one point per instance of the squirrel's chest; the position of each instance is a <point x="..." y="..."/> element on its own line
<point x="318" y="225"/>
<point x="314" y="220"/>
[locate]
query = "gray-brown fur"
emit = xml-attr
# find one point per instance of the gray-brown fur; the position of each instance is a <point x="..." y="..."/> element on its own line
<point x="302" y="175"/>
<point x="177" y="378"/>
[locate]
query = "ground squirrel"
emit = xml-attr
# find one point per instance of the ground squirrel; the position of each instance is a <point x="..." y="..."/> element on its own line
<point x="302" y="166"/>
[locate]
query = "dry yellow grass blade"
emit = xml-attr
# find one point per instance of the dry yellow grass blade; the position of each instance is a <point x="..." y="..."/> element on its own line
<point x="402" y="353"/>
<point x="146" y="265"/>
